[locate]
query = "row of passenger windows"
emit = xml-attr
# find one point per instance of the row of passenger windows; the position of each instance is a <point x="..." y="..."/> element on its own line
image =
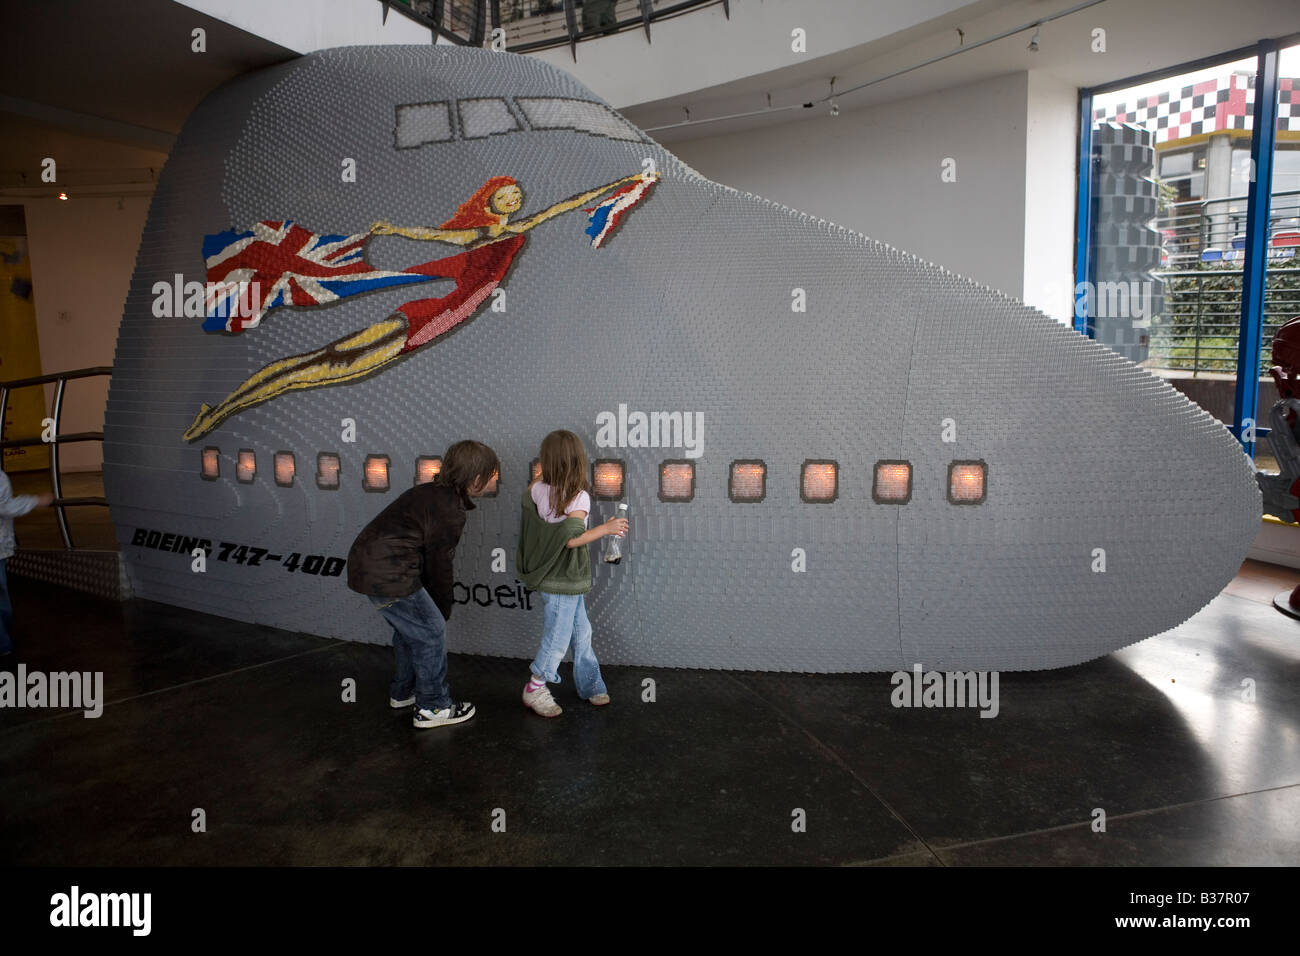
<point x="421" y="123"/>
<point x="819" y="481"/>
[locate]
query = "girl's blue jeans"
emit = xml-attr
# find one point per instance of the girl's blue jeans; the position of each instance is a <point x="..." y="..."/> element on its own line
<point x="565" y="624"/>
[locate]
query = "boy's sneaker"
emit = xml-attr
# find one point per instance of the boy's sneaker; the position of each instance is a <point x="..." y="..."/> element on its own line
<point x="455" y="714"/>
<point x="399" y="704"/>
<point x="600" y="700"/>
<point x="541" y="702"/>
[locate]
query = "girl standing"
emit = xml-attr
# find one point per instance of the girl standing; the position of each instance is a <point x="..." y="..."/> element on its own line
<point x="552" y="559"/>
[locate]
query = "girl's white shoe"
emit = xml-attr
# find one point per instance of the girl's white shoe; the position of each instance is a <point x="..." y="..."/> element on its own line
<point x="541" y="702"/>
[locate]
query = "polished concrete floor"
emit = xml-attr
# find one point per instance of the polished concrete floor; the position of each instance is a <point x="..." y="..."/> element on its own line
<point x="248" y="725"/>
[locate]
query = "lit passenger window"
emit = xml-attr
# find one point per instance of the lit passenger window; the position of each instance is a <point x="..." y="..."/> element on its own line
<point x="492" y="487"/>
<point x="327" y="471"/>
<point x="284" y="468"/>
<point x="677" y="481"/>
<point x="479" y="118"/>
<point x="581" y="115"/>
<point x="246" y="466"/>
<point x="211" y="464"/>
<point x="420" y="123"/>
<point x="426" y="469"/>
<point x="893" y="483"/>
<point x="536" y="470"/>
<point x="607" y="478"/>
<point x="967" y="482"/>
<point x="748" y="481"/>
<point x="820" y="483"/>
<point x="375" y="473"/>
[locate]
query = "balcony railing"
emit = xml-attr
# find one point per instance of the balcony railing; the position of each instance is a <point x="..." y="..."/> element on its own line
<point x="1202" y="318"/>
<point x="1213" y="231"/>
<point x="1203" y="253"/>
<point x="541" y="24"/>
<point x="56" y="476"/>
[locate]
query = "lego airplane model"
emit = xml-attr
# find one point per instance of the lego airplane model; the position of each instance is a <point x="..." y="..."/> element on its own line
<point x="838" y="457"/>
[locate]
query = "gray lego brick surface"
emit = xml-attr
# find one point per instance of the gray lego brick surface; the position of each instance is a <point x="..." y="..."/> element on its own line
<point x="688" y="307"/>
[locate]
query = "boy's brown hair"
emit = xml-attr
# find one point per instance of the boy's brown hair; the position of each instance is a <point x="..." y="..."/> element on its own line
<point x="564" y="468"/>
<point x="466" y="461"/>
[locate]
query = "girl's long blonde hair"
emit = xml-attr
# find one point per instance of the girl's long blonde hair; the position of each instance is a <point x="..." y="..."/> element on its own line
<point x="564" y="468"/>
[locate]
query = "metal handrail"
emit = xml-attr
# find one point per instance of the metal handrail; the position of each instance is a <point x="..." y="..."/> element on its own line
<point x="489" y="12"/>
<point x="1215" y="314"/>
<point x="56" y="482"/>
<point x="1190" y="226"/>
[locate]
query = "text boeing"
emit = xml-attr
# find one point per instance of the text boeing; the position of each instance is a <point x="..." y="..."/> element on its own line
<point x="626" y="429"/>
<point x="946" y="689"/>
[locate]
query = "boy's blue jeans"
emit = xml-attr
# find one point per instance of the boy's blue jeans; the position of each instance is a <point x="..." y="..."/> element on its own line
<point x="564" y="622"/>
<point x="420" y="649"/>
<point x="6" y="612"/>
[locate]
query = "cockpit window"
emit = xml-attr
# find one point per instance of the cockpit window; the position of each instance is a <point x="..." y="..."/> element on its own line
<point x="420" y="123"/>
<point x="479" y="118"/>
<point x="581" y="115"/>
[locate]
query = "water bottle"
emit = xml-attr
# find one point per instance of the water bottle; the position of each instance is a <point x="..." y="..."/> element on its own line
<point x="611" y="547"/>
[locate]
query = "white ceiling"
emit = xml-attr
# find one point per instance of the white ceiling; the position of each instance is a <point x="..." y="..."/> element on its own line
<point x="1141" y="36"/>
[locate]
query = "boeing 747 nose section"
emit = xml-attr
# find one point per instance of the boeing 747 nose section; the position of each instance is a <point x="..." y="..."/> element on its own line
<point x="838" y="457"/>
<point x="1113" y="508"/>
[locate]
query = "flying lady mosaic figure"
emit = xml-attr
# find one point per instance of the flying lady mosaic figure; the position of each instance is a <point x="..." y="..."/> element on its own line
<point x="302" y="268"/>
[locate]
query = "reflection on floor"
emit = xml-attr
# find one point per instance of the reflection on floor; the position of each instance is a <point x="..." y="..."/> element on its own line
<point x="1188" y="742"/>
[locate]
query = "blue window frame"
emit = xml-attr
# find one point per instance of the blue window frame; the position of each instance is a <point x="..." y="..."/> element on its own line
<point x="1251" y="319"/>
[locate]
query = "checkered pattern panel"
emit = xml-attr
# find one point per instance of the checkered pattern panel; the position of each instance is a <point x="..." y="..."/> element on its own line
<point x="1223" y="103"/>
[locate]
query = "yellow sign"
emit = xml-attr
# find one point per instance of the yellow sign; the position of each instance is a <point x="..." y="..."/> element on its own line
<point x="20" y="356"/>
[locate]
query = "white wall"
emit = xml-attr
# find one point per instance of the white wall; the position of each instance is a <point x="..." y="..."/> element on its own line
<point x="704" y="48"/>
<point x="83" y="253"/>
<point x="877" y="171"/>
<point x="1050" y="168"/>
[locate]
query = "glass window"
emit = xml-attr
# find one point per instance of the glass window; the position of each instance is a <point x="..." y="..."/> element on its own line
<point x="607" y="475"/>
<point x="1175" y="164"/>
<point x="420" y="123"/>
<point x="677" y="480"/>
<point x="581" y="115"/>
<point x="479" y="118"/>
<point x="1281" y="298"/>
<point x="748" y="481"/>
<point x="1169" y="209"/>
<point x="1286" y="163"/>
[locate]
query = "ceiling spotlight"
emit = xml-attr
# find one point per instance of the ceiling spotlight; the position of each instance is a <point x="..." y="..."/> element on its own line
<point x="1033" y="41"/>
<point x="835" y="109"/>
<point x="63" y="196"/>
